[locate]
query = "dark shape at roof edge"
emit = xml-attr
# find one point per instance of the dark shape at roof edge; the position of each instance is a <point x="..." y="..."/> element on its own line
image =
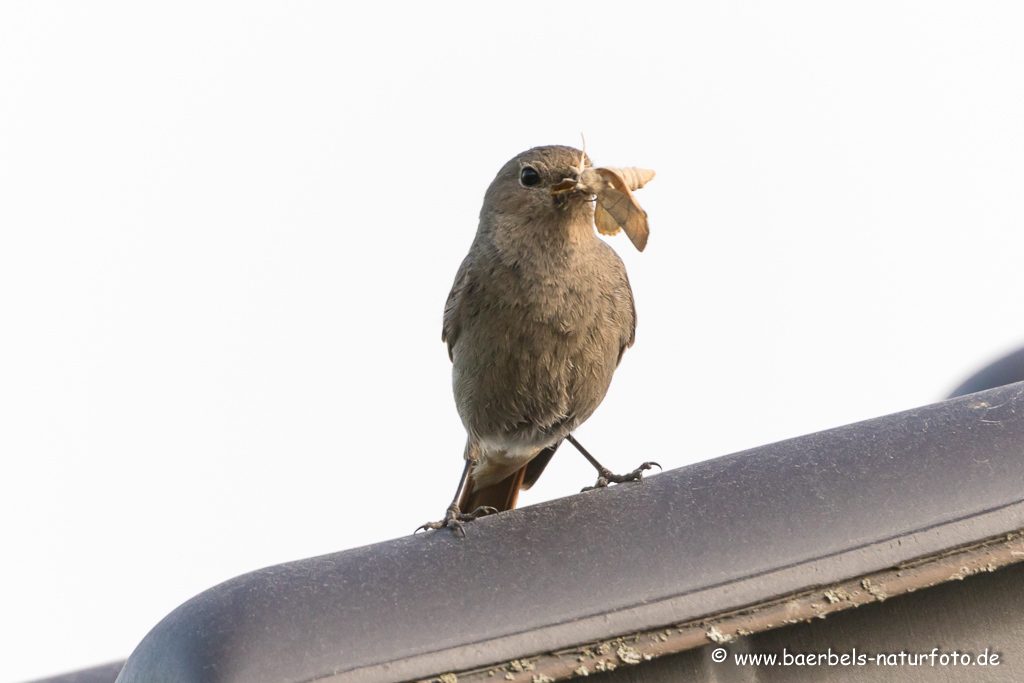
<point x="698" y="540"/>
<point x="1006" y="370"/>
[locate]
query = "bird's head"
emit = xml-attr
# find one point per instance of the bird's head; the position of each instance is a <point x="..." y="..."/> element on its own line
<point x="541" y="183"/>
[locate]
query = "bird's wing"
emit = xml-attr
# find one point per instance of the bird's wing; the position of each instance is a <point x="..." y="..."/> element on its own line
<point x="450" y="323"/>
<point x="629" y="326"/>
<point x="632" y="312"/>
<point x="625" y="313"/>
<point x="535" y="467"/>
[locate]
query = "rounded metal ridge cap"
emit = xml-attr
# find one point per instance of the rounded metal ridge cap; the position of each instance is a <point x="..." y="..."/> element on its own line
<point x="704" y="537"/>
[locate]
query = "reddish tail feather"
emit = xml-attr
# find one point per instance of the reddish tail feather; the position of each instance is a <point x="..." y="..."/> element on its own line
<point x="503" y="495"/>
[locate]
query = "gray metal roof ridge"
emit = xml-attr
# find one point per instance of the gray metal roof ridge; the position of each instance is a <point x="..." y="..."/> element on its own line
<point x="743" y="592"/>
<point x="729" y="531"/>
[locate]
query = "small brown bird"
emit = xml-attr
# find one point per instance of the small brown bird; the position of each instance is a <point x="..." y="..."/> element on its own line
<point x="537" y="321"/>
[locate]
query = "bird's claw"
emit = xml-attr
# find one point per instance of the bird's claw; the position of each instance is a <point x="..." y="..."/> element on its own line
<point x="454" y="519"/>
<point x="606" y="476"/>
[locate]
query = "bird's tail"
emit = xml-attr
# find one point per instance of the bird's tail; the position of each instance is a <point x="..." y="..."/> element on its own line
<point x="500" y="496"/>
<point x="503" y="495"/>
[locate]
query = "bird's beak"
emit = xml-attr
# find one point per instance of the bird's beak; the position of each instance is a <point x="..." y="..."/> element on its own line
<point x="571" y="182"/>
<point x="567" y="185"/>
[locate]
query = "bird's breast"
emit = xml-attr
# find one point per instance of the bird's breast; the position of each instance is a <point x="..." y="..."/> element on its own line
<point x="535" y="352"/>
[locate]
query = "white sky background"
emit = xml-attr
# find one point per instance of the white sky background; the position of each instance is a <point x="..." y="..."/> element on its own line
<point x="227" y="231"/>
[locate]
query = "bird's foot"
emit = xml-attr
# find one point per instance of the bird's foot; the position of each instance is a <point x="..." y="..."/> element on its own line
<point x="454" y="519"/>
<point x="605" y="476"/>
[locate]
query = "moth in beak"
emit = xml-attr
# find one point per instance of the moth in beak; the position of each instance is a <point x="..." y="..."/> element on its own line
<point x="616" y="208"/>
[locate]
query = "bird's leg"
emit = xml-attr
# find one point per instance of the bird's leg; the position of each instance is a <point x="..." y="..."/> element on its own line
<point x="454" y="517"/>
<point x="604" y="475"/>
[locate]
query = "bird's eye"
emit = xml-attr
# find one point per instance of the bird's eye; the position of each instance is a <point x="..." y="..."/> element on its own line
<point x="529" y="176"/>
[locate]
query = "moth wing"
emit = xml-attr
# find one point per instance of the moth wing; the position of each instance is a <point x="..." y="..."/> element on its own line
<point x="620" y="204"/>
<point x="606" y="225"/>
<point x="633" y="177"/>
